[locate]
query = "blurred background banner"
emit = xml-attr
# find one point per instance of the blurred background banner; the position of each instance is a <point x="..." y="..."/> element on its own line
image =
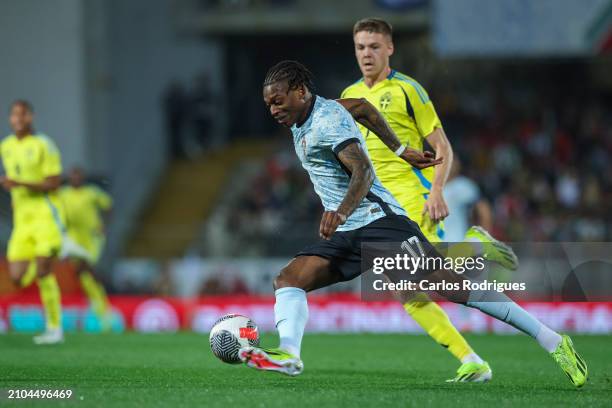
<point x="526" y="28"/>
<point x="331" y="313"/>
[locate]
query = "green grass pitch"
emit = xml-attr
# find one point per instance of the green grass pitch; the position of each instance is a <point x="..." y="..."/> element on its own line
<point x="136" y="370"/>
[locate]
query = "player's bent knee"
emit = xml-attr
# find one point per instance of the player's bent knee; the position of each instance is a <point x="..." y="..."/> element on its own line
<point x="307" y="273"/>
<point x="43" y="267"/>
<point x="416" y="299"/>
<point x="285" y="279"/>
<point x="82" y="267"/>
<point x="16" y="280"/>
<point x="16" y="276"/>
<point x="17" y="271"/>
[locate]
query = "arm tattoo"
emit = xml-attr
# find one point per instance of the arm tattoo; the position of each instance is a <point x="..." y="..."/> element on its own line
<point x="384" y="132"/>
<point x="362" y="177"/>
<point x="367" y="115"/>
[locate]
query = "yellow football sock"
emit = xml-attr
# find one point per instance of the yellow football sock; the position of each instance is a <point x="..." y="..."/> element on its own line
<point x="29" y="277"/>
<point x="51" y="300"/>
<point x="96" y="294"/>
<point x="434" y="320"/>
<point x="464" y="250"/>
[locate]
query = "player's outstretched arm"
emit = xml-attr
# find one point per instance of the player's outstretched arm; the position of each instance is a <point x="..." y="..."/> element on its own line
<point x="362" y="176"/>
<point x="435" y="205"/>
<point x="367" y="115"/>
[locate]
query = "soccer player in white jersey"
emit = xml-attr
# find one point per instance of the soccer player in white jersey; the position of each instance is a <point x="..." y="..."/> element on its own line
<point x="358" y="209"/>
<point x="464" y="200"/>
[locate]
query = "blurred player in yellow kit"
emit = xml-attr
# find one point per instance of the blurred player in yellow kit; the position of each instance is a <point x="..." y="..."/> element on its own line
<point x="33" y="168"/>
<point x="410" y="113"/>
<point x="84" y="206"/>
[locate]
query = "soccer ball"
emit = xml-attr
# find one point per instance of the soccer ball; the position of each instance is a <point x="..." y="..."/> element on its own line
<point x="229" y="334"/>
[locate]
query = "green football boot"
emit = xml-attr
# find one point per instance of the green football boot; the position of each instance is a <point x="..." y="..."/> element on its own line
<point x="493" y="250"/>
<point x="473" y="372"/>
<point x="572" y="364"/>
<point x="271" y="359"/>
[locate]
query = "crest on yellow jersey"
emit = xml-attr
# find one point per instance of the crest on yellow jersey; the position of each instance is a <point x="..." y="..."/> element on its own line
<point x="385" y="101"/>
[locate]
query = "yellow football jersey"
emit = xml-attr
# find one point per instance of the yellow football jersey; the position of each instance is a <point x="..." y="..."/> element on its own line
<point x="31" y="160"/>
<point x="411" y="114"/>
<point x="83" y="206"/>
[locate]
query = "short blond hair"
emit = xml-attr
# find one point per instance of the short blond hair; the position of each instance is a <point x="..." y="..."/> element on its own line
<point x="373" y="25"/>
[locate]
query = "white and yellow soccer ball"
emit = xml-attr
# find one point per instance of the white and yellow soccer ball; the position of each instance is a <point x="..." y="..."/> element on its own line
<point x="229" y="334"/>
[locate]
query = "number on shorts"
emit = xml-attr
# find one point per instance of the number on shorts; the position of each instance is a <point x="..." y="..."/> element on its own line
<point x="413" y="246"/>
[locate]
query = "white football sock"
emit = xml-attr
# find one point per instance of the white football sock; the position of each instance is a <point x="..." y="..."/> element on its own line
<point x="472" y="358"/>
<point x="290" y="316"/>
<point x="501" y="307"/>
<point x="548" y="339"/>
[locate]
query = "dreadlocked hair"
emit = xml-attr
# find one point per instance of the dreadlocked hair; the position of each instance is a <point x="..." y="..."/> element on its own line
<point x="293" y="72"/>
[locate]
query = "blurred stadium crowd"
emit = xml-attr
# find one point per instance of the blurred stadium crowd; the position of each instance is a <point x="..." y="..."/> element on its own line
<point x="539" y="154"/>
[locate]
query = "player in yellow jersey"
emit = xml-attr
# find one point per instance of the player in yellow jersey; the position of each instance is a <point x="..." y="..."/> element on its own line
<point x="410" y="113"/>
<point x="32" y="166"/>
<point x="84" y="206"/>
